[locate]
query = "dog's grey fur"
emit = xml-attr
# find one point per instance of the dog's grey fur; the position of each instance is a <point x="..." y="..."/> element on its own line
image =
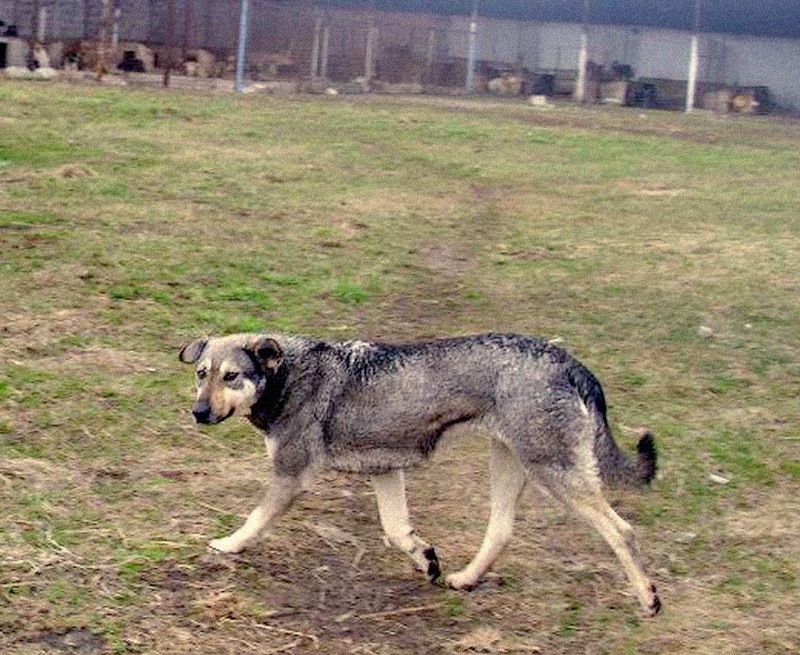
<point x="379" y="409"/>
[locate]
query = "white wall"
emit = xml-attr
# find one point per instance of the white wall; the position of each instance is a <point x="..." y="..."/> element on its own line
<point x="725" y="59"/>
<point x="769" y="62"/>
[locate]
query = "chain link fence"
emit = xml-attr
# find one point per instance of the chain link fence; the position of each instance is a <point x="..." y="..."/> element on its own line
<point x="312" y="45"/>
<point x="304" y="42"/>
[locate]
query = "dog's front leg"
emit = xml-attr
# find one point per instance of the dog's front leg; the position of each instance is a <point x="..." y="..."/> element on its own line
<point x="277" y="499"/>
<point x="390" y="492"/>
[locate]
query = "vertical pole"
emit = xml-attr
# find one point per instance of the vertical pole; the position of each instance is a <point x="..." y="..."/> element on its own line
<point x="207" y="19"/>
<point x="369" y="55"/>
<point x="472" y="51"/>
<point x="188" y="27"/>
<point x="115" y="27"/>
<point x="241" y="52"/>
<point x="315" y="48"/>
<point x="691" y="83"/>
<point x="41" y="31"/>
<point x="170" y="45"/>
<point x="429" y="57"/>
<point x="583" y="55"/>
<point x="151" y="21"/>
<point x="34" y="30"/>
<point x="102" y="46"/>
<point x="323" y="57"/>
<point x="35" y="17"/>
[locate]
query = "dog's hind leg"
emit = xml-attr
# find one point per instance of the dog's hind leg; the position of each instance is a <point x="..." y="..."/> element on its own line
<point x="585" y="497"/>
<point x="277" y="499"/>
<point x="390" y="492"/>
<point x="508" y="480"/>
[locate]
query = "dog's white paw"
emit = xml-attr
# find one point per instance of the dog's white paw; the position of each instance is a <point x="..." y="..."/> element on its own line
<point x="461" y="581"/>
<point x="226" y="545"/>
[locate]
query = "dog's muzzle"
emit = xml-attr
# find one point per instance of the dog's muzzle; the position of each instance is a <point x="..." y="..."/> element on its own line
<point x="203" y="414"/>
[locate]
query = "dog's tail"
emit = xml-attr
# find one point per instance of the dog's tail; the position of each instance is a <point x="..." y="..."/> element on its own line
<point x="616" y="468"/>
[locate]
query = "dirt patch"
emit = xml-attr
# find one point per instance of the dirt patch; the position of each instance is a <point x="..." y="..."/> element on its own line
<point x="109" y="360"/>
<point x="24" y="334"/>
<point x="68" y="276"/>
<point x="78" y="641"/>
<point x="444" y="259"/>
<point x="70" y="171"/>
<point x="36" y="473"/>
<point x="760" y="522"/>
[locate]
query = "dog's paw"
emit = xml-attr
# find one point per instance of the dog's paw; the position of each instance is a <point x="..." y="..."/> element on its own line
<point x="433" y="570"/>
<point x="226" y="545"/>
<point x="461" y="582"/>
<point x="653" y="604"/>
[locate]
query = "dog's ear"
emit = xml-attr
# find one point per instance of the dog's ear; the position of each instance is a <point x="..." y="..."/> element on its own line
<point x="267" y="353"/>
<point x="190" y="353"/>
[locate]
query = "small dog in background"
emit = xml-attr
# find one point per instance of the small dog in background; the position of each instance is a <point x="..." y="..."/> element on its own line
<point x="380" y="408"/>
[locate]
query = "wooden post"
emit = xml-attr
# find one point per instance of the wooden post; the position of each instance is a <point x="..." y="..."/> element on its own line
<point x="430" y="54"/>
<point x="151" y="21"/>
<point x="315" y="48"/>
<point x="323" y="57"/>
<point x="102" y="46"/>
<point x="188" y="27"/>
<point x="369" y="55"/>
<point x="41" y="27"/>
<point x="170" y="42"/>
<point x="207" y="20"/>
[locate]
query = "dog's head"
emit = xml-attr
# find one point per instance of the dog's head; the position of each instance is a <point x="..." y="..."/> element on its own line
<point x="231" y="373"/>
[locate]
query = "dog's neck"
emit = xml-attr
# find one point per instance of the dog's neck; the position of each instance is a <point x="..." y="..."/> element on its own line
<point x="269" y="405"/>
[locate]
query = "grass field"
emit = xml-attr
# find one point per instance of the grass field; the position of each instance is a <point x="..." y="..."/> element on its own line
<point x="663" y="250"/>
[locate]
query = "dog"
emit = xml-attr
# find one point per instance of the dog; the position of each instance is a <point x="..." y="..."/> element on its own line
<point x="379" y="409"/>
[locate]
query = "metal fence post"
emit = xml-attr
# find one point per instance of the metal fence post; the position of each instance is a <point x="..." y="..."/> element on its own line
<point x="241" y="53"/>
<point x="472" y="52"/>
<point x="323" y="56"/>
<point x="41" y="31"/>
<point x="583" y="54"/>
<point x="115" y="27"/>
<point x="691" y="82"/>
<point x="315" y="48"/>
<point x="370" y="52"/>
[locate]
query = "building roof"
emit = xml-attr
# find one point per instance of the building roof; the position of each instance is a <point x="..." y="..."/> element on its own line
<point x="777" y="18"/>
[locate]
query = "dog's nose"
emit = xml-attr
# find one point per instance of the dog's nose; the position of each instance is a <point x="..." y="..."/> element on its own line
<point x="202" y="415"/>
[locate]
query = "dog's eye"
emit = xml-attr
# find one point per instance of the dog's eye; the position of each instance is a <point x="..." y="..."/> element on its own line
<point x="201" y="374"/>
<point x="230" y="376"/>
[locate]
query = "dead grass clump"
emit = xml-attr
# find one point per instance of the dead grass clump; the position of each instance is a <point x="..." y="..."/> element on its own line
<point x="36" y="473"/>
<point x="71" y="171"/>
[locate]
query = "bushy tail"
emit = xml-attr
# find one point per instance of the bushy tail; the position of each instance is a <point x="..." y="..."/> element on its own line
<point x="616" y="468"/>
<point x="646" y="462"/>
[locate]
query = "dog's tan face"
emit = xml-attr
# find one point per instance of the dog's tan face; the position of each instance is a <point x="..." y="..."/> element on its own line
<point x="231" y="373"/>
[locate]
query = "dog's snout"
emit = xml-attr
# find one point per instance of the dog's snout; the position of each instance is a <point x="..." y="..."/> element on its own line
<point x="202" y="413"/>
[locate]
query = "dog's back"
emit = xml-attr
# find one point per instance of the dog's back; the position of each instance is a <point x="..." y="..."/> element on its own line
<point x="393" y="402"/>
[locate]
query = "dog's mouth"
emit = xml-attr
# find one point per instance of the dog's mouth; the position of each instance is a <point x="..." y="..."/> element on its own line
<point x="207" y="418"/>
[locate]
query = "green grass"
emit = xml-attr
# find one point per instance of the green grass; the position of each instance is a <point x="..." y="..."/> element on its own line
<point x="390" y="219"/>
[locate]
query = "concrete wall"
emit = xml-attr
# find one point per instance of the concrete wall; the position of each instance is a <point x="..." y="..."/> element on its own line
<point x="724" y="59"/>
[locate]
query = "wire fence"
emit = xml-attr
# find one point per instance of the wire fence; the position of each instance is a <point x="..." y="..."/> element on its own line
<point x="311" y="45"/>
<point x="288" y="40"/>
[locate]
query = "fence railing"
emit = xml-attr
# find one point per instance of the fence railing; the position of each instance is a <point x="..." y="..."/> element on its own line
<point x="300" y="40"/>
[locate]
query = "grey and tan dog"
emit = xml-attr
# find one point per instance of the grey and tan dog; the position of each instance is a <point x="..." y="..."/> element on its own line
<point x="379" y="409"/>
